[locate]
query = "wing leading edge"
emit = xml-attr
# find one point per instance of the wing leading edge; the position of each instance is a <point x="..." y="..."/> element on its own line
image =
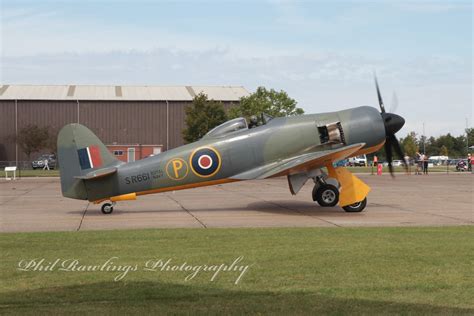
<point x="300" y="163"/>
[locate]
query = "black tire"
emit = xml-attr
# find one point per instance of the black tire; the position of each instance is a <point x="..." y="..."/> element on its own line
<point x="356" y="207"/>
<point x="326" y="195"/>
<point x="107" y="208"/>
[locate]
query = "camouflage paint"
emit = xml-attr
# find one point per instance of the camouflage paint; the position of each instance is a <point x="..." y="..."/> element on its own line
<point x="240" y="151"/>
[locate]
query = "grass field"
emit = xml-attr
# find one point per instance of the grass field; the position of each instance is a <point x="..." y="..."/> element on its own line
<point x="291" y="271"/>
<point x="55" y="173"/>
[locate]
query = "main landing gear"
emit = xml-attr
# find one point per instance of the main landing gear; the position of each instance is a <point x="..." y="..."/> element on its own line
<point x="107" y="208"/>
<point x="326" y="194"/>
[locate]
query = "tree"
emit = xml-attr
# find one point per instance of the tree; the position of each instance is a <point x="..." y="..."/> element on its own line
<point x="460" y="145"/>
<point x="443" y="151"/>
<point x="443" y="145"/>
<point x="52" y="143"/>
<point x="409" y="144"/>
<point x="430" y="145"/>
<point x="32" y="139"/>
<point x="452" y="144"/>
<point x="271" y="102"/>
<point x="202" y="116"/>
<point x="470" y="136"/>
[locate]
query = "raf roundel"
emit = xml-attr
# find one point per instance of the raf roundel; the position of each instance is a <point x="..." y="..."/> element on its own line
<point x="205" y="162"/>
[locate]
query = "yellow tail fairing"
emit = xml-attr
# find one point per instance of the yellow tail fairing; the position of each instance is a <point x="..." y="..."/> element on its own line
<point x="117" y="198"/>
<point x="124" y="197"/>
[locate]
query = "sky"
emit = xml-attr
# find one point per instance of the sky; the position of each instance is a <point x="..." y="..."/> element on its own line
<point x="322" y="53"/>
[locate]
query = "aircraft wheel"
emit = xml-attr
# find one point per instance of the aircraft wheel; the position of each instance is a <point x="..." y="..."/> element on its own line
<point x="326" y="195"/>
<point x="107" y="208"/>
<point x="356" y="207"/>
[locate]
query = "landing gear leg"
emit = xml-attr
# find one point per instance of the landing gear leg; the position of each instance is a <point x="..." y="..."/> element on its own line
<point x="107" y="208"/>
<point x="356" y="207"/>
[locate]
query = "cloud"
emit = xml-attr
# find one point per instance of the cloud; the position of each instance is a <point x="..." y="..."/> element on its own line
<point x="434" y="89"/>
<point x="27" y="32"/>
<point x="61" y="50"/>
<point x="433" y="6"/>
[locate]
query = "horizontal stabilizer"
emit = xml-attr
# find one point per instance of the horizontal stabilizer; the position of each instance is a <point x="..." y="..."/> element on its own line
<point x="99" y="173"/>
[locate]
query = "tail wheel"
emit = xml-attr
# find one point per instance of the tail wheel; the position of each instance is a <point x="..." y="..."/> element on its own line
<point x="327" y="195"/>
<point x="107" y="208"/>
<point x="356" y="207"/>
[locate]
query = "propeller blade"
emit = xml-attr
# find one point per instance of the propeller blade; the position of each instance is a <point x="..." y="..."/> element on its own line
<point x="388" y="152"/>
<point x="382" y="107"/>
<point x="398" y="150"/>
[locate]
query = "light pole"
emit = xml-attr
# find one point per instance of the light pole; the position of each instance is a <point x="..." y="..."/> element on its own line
<point x="424" y="139"/>
<point x="467" y="135"/>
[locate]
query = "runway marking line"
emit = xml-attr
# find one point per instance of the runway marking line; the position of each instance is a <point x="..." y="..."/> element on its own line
<point x="83" y="215"/>
<point x="187" y="211"/>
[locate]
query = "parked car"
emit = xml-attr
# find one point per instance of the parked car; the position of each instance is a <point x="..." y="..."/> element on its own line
<point x="39" y="162"/>
<point x="359" y="161"/>
<point x="434" y="162"/>
<point x="397" y="163"/>
<point x="341" y="163"/>
<point x="439" y="160"/>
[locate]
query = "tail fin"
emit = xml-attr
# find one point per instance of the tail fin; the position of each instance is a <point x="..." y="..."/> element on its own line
<point x="79" y="153"/>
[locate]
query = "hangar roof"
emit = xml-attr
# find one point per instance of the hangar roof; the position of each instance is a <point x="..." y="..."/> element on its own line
<point x="117" y="93"/>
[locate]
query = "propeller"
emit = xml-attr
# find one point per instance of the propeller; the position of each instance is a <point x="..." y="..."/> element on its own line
<point x="393" y="123"/>
<point x="382" y="107"/>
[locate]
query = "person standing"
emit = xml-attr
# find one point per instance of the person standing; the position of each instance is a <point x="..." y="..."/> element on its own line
<point x="422" y="163"/>
<point x="375" y="163"/>
<point x="469" y="162"/>
<point x="425" y="164"/>
<point x="407" y="163"/>
<point x="46" y="165"/>
<point x="419" y="163"/>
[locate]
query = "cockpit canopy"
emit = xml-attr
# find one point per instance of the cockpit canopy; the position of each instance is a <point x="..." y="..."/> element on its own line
<point x="231" y="126"/>
<point x="237" y="124"/>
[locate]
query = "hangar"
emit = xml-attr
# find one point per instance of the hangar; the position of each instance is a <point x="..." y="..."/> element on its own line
<point x="134" y="121"/>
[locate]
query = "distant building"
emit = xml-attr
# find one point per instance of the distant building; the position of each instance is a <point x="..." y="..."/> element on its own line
<point x="134" y="121"/>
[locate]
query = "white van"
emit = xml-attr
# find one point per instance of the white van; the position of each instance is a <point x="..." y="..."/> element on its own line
<point x="358" y="161"/>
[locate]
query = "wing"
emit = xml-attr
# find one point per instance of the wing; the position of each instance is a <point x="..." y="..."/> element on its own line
<point x="300" y="163"/>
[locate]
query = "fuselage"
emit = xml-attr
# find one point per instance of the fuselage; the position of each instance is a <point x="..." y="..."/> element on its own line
<point x="214" y="160"/>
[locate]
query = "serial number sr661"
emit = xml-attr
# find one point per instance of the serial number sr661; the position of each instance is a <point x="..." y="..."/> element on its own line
<point x="155" y="174"/>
